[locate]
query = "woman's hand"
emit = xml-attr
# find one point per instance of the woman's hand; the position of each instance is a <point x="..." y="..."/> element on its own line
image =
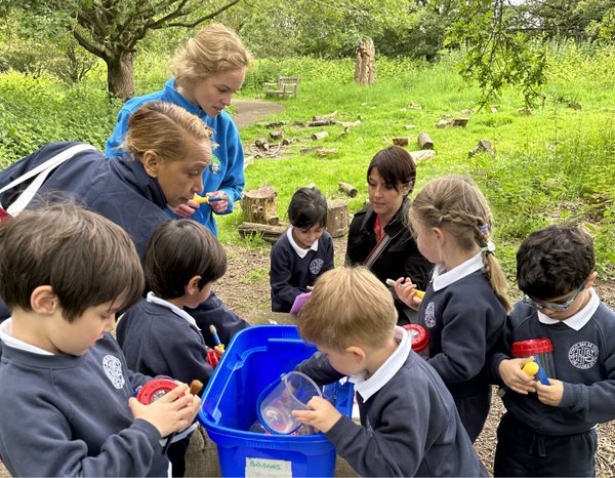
<point x="185" y="210"/>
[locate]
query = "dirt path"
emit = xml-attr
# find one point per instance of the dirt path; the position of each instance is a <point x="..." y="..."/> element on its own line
<point x="250" y="111"/>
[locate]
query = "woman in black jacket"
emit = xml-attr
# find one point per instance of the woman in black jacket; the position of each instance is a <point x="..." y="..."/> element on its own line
<point x="380" y="236"/>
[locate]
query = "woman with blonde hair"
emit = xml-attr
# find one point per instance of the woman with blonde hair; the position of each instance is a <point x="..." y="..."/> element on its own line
<point x="207" y="71"/>
<point x="167" y="150"/>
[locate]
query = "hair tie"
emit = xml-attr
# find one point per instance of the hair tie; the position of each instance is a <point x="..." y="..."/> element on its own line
<point x="484" y="228"/>
<point x="489" y="248"/>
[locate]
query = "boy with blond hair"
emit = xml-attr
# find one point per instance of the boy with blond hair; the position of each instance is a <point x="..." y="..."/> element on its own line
<point x="67" y="396"/>
<point x="409" y="423"/>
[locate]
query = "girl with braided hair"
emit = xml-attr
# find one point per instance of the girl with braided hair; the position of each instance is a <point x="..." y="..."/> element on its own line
<point x="465" y="304"/>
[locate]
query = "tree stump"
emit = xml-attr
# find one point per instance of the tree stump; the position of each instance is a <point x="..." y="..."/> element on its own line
<point x="259" y="205"/>
<point x="337" y="218"/>
<point x="365" y="67"/>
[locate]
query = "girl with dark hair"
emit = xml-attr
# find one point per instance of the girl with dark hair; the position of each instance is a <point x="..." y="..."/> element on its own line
<point x="304" y="252"/>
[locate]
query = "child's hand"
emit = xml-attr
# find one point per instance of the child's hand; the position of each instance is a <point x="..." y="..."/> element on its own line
<point x="550" y="394"/>
<point x="407" y="292"/>
<point x="515" y="378"/>
<point x="322" y="415"/>
<point x="219" y="206"/>
<point x="173" y="412"/>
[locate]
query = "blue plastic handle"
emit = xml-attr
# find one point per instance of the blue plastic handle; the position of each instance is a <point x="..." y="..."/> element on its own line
<point x="541" y="375"/>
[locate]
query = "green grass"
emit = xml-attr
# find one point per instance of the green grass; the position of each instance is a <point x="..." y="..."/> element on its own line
<point x="551" y="166"/>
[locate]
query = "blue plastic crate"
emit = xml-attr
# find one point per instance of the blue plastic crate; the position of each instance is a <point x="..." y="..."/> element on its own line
<point x="256" y="357"/>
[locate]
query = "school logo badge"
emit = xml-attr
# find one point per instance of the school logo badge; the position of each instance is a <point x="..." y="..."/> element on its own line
<point x="113" y="369"/>
<point x="430" y="315"/>
<point x="583" y="355"/>
<point x="214" y="165"/>
<point x="316" y="266"/>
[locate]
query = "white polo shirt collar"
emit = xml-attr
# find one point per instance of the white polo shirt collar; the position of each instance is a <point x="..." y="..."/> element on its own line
<point x="368" y="387"/>
<point x="442" y="280"/>
<point x="578" y="320"/>
<point x="6" y="336"/>
<point x="173" y="308"/>
<point x="301" y="252"/>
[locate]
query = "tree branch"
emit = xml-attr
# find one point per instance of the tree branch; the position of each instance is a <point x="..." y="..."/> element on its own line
<point x="202" y="19"/>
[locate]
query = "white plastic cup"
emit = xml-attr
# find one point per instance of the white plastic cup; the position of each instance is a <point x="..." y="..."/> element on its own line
<point x="293" y="392"/>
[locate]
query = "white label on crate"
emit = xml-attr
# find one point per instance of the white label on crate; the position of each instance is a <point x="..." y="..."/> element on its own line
<point x="259" y="467"/>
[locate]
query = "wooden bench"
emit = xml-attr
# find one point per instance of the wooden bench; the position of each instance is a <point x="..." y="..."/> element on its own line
<point x="285" y="86"/>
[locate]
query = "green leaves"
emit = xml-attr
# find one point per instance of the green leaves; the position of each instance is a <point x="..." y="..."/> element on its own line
<point x="497" y="54"/>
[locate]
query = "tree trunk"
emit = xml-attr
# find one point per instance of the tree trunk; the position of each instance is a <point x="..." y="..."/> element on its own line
<point x="365" y="67"/>
<point x="120" y="76"/>
<point x="337" y="218"/>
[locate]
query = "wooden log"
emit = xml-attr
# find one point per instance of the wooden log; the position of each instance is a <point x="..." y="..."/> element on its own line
<point x="425" y="141"/>
<point x="277" y="134"/>
<point x="259" y="205"/>
<point x="309" y="150"/>
<point x="319" y="135"/>
<point x="262" y="143"/>
<point x="323" y="152"/>
<point x="404" y="141"/>
<point x="483" y="146"/>
<point x="324" y="117"/>
<point x="461" y="122"/>
<point x="273" y="124"/>
<point x="337" y="218"/>
<point x="422" y="155"/>
<point x="348" y="124"/>
<point x="324" y="122"/>
<point x="270" y="233"/>
<point x="348" y="189"/>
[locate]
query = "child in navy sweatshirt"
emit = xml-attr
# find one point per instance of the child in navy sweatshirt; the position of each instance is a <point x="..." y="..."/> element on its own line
<point x="409" y="423"/>
<point x="303" y="252"/>
<point x="465" y="305"/>
<point x="549" y="430"/>
<point x="67" y="395"/>
<point x="158" y="337"/>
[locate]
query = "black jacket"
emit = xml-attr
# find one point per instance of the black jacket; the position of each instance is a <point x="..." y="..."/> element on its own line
<point x="400" y="258"/>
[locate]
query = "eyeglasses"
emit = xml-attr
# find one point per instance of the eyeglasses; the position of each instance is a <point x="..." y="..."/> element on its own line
<point x="554" y="306"/>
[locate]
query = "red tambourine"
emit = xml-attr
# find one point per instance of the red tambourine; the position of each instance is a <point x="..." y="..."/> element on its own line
<point x="418" y="336"/>
<point x="155" y="389"/>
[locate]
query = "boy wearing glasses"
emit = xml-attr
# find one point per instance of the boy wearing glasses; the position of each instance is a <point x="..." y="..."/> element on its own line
<point x="549" y="430"/>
